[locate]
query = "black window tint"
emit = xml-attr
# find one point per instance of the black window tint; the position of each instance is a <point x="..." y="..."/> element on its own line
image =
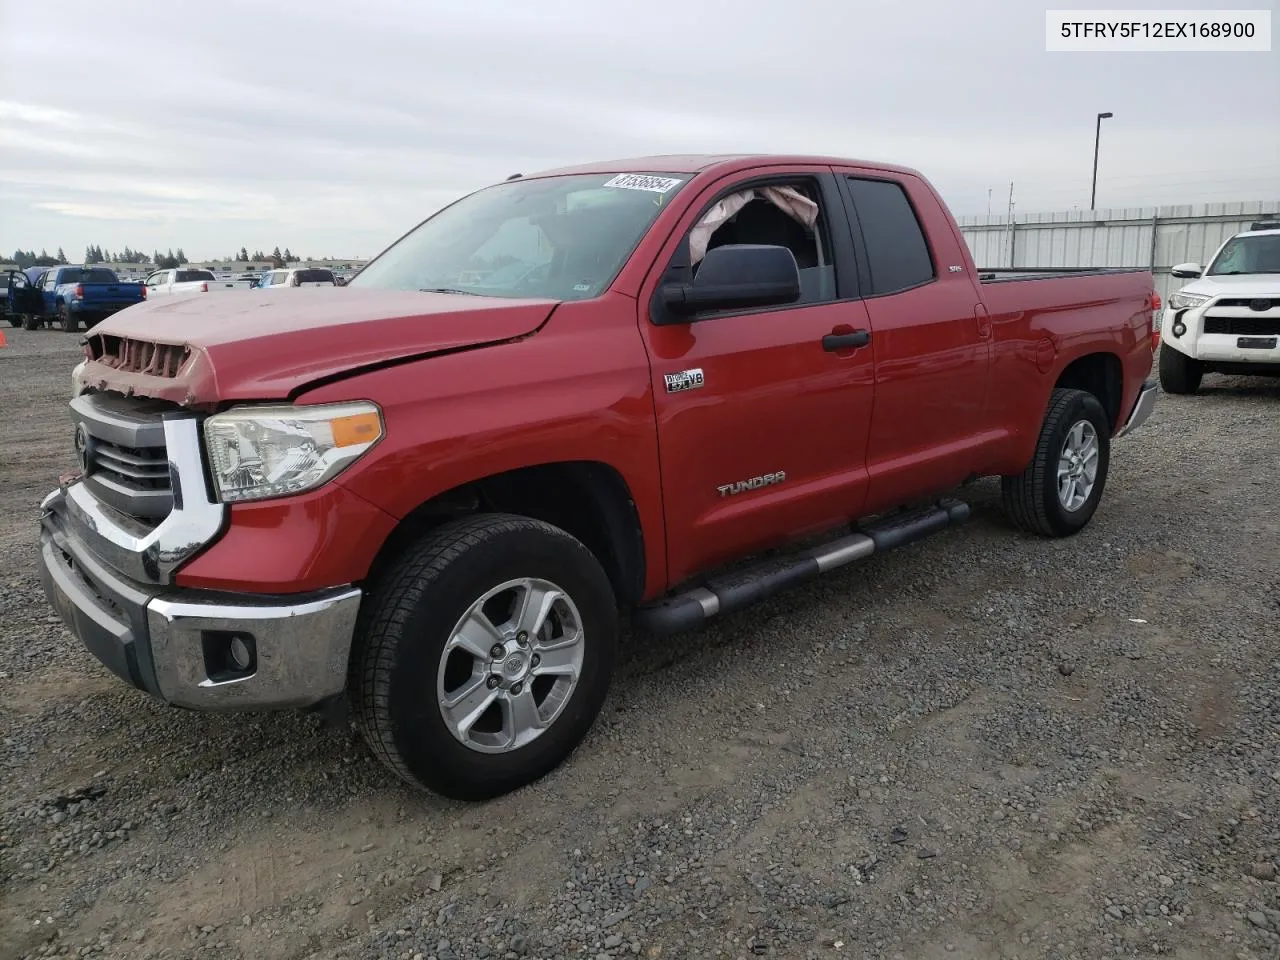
<point x="98" y="275"/>
<point x="897" y="254"/>
<point x="314" y="276"/>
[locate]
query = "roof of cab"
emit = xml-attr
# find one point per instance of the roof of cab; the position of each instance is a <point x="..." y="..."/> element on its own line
<point x="718" y="163"/>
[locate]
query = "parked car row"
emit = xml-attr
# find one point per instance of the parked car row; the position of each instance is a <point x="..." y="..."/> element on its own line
<point x="70" y="296"/>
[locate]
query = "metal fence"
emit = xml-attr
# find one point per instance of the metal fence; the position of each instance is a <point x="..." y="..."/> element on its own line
<point x="1146" y="238"/>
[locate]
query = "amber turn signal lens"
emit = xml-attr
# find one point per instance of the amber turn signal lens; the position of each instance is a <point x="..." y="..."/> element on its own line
<point x="355" y="429"/>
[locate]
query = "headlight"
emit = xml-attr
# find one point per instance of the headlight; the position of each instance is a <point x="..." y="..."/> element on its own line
<point x="268" y="451"/>
<point x="1183" y="300"/>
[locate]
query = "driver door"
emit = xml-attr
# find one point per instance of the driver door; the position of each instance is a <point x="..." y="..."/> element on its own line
<point x="24" y="298"/>
<point x="762" y="424"/>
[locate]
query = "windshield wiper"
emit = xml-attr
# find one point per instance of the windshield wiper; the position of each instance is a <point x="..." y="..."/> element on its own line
<point x="469" y="293"/>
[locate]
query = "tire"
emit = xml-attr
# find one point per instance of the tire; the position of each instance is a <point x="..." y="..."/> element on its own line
<point x="30" y="321"/>
<point x="1178" y="372"/>
<point x="401" y="674"/>
<point x="1033" y="498"/>
<point x="69" y="323"/>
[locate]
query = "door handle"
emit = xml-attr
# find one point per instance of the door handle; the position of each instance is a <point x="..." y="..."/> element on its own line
<point x="846" y="341"/>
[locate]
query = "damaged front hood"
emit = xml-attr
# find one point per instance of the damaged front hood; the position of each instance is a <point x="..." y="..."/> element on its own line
<point x="264" y="345"/>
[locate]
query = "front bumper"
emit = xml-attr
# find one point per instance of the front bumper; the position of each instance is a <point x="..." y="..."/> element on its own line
<point x="1223" y="332"/>
<point x="175" y="644"/>
<point x="1142" y="408"/>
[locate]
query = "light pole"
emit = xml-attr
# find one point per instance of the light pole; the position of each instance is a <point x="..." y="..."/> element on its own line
<point x="1097" y="133"/>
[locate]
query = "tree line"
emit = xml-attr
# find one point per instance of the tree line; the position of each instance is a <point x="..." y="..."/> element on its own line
<point x="162" y="261"/>
<point x="275" y="256"/>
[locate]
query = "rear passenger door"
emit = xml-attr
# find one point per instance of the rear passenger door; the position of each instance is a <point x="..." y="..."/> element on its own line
<point x="48" y="299"/>
<point x="932" y="339"/>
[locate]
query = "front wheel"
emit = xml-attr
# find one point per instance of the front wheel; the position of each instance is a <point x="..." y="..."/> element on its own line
<point x="1058" y="492"/>
<point x="484" y="655"/>
<point x="1178" y="372"/>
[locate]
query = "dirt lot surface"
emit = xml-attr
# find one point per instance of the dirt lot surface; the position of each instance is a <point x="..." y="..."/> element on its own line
<point x="984" y="745"/>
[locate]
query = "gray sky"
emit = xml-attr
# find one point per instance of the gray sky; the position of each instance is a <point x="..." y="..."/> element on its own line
<point x="331" y="128"/>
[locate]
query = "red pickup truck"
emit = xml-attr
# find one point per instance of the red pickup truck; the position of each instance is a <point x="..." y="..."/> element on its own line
<point x="433" y="493"/>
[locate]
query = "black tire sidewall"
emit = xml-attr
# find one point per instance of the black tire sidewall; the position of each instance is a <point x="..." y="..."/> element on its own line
<point x="1080" y="406"/>
<point x="1178" y="372"/>
<point x="421" y="738"/>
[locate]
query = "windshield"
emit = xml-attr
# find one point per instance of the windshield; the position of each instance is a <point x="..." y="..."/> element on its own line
<point x="1259" y="254"/>
<point x="559" y="238"/>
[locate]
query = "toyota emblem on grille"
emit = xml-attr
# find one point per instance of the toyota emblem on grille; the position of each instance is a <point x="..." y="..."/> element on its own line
<point x="1259" y="305"/>
<point x="82" y="448"/>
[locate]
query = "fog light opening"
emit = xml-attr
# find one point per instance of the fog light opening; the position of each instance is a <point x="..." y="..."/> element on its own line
<point x="229" y="655"/>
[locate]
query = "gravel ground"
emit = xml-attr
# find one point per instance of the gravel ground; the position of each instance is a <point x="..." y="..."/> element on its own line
<point x="984" y="745"/>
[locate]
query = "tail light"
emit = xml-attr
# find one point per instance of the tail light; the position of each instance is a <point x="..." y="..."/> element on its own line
<point x="204" y="287"/>
<point x="79" y="290"/>
<point x="144" y="290"/>
<point x="1155" y="321"/>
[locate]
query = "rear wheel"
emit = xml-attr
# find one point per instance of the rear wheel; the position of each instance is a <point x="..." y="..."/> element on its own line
<point x="1178" y="372"/>
<point x="1058" y="493"/>
<point x="69" y="323"/>
<point x="484" y="655"/>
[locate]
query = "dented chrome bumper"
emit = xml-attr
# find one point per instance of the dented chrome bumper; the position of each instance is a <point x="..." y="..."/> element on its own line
<point x="111" y="540"/>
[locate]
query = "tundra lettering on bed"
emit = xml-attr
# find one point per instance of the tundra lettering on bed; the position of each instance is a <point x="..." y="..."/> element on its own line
<point x="430" y="495"/>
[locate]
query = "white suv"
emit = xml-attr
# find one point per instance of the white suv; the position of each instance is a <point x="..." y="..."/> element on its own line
<point x="299" y="277"/>
<point x="1228" y="319"/>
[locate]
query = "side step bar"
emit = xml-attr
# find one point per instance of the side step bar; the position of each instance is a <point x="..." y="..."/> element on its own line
<point x="739" y="589"/>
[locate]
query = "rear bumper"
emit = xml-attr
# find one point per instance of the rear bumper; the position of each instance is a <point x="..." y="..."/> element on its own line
<point x="176" y="644"/>
<point x="1142" y="408"/>
<point x="97" y="308"/>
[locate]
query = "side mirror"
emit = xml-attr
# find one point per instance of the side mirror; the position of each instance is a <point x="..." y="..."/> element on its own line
<point x="737" y="276"/>
<point x="1187" y="271"/>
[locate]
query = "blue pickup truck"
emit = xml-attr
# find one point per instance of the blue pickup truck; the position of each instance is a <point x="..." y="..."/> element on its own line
<point x="69" y="296"/>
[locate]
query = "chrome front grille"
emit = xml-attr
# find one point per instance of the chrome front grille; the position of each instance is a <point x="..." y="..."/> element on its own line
<point x="120" y="448"/>
<point x="137" y="477"/>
